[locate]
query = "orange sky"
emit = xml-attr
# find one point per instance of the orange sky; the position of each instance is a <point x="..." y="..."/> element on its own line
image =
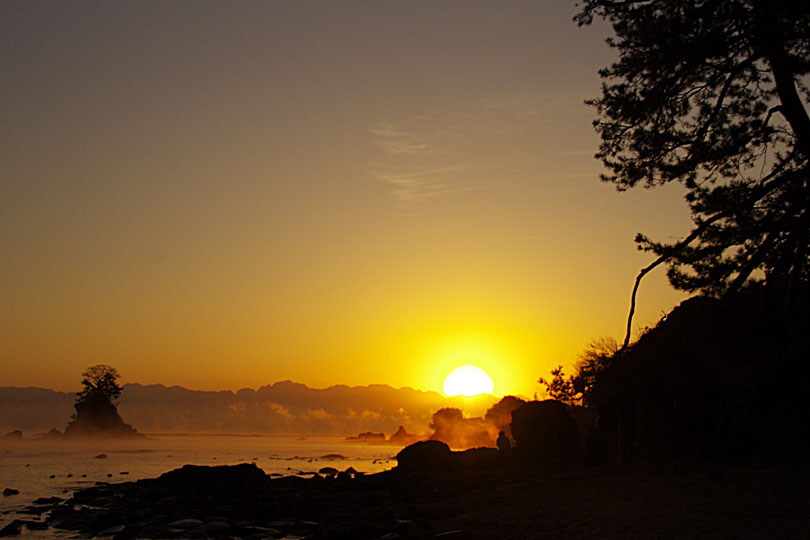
<point x="222" y="195"/>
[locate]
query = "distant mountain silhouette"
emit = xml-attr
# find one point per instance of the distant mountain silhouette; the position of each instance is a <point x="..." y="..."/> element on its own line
<point x="33" y="409"/>
<point x="284" y="407"/>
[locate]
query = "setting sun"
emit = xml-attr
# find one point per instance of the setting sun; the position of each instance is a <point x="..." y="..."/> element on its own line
<point x="468" y="381"/>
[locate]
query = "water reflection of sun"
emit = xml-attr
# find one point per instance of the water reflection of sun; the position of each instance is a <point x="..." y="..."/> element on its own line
<point x="468" y="380"/>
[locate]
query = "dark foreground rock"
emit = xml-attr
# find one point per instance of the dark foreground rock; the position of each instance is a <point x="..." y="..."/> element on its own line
<point x="491" y="502"/>
<point x="543" y="430"/>
<point x="436" y="457"/>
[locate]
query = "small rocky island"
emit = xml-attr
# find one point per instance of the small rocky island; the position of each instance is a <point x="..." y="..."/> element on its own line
<point x="96" y="414"/>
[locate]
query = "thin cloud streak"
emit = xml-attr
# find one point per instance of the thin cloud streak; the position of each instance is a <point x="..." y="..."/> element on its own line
<point x="395" y="140"/>
<point x="422" y="158"/>
<point x="423" y="184"/>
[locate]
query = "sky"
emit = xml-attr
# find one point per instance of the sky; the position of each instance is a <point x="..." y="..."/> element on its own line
<point x="226" y="194"/>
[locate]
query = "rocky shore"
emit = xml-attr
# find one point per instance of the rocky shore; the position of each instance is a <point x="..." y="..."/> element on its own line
<point x="241" y="501"/>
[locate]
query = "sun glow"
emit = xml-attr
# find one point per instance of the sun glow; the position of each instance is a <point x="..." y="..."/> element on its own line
<point x="468" y="380"/>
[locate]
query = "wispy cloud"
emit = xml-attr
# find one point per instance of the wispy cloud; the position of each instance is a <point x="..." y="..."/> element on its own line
<point x="461" y="149"/>
<point x="422" y="184"/>
<point x="396" y="140"/>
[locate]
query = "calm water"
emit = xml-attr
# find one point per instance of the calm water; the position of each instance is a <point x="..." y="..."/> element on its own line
<point x="28" y="465"/>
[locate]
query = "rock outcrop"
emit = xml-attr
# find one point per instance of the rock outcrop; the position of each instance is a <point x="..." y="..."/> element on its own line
<point x="425" y="456"/>
<point x="544" y="430"/>
<point x="402" y="437"/>
<point x="96" y="416"/>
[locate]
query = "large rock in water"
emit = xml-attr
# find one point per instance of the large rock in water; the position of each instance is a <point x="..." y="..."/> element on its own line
<point x="221" y="476"/>
<point x="96" y="416"/>
<point x="545" y="430"/>
<point x="425" y="456"/>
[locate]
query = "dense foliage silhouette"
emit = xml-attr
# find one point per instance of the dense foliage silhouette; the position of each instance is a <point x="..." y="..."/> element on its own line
<point x="711" y="95"/>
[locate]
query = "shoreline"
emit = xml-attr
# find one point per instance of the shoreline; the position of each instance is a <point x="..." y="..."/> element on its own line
<point x="241" y="501"/>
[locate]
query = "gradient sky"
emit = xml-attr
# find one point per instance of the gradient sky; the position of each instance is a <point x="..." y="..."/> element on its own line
<point x="226" y="194"/>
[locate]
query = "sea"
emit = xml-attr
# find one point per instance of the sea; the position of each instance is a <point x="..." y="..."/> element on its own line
<point x="57" y="468"/>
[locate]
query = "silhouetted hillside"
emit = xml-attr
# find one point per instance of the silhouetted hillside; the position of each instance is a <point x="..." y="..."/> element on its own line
<point x="281" y="408"/>
<point x="713" y="380"/>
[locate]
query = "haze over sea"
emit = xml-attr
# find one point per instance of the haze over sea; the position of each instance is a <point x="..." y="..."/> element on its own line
<point x="29" y="465"/>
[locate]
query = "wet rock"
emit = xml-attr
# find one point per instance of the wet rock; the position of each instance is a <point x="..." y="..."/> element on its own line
<point x="256" y="531"/>
<point x="187" y="523"/>
<point x="230" y="501"/>
<point x="214" y="528"/>
<point x="48" y="500"/>
<point x="111" y="531"/>
<point x="36" y="525"/>
<point x="12" y="529"/>
<point x="190" y="476"/>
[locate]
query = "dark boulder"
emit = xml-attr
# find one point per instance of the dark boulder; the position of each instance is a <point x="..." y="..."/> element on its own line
<point x="13" y="435"/>
<point x="477" y="459"/>
<point x="10" y="491"/>
<point x="202" y="476"/>
<point x="12" y="529"/>
<point x="425" y="456"/>
<point x="545" y="430"/>
<point x="48" y="500"/>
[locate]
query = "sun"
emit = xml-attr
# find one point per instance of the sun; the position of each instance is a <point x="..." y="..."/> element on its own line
<point x="468" y="380"/>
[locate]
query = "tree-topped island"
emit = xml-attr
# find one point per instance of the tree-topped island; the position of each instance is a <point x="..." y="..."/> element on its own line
<point x="96" y="414"/>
